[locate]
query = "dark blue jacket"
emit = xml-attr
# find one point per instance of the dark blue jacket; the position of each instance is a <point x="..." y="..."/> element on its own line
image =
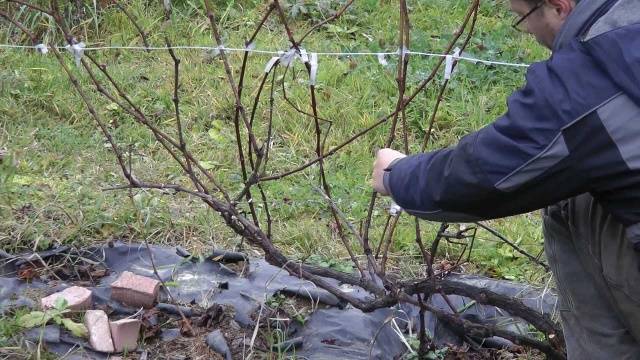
<point x="573" y="128"/>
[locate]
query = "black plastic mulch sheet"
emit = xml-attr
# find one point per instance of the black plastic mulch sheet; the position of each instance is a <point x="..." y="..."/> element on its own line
<point x="334" y="332"/>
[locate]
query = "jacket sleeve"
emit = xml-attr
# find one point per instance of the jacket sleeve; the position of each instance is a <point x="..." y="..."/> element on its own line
<point x="539" y="152"/>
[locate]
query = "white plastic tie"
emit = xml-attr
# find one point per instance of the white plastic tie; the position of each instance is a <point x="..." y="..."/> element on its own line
<point x="382" y="59"/>
<point x="287" y="57"/>
<point x="395" y="209"/>
<point x="250" y="46"/>
<point x="167" y="5"/>
<point x="402" y="53"/>
<point x="314" y="69"/>
<point x="448" y="67"/>
<point x="304" y="57"/>
<point x="42" y="49"/>
<point x="270" y="64"/>
<point x="77" y="50"/>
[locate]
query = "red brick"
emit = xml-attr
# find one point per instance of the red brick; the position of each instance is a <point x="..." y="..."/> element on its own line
<point x="78" y="298"/>
<point x="135" y="290"/>
<point x="125" y="334"/>
<point x="97" y="323"/>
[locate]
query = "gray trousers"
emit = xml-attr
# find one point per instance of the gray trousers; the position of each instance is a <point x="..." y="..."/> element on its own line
<point x="598" y="279"/>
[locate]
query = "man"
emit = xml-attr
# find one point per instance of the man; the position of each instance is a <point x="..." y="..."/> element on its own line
<point x="570" y="142"/>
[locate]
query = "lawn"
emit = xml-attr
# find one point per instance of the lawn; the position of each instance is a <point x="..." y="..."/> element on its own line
<point x="57" y="166"/>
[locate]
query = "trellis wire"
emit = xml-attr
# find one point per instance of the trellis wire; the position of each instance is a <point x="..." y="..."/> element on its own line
<point x="280" y="52"/>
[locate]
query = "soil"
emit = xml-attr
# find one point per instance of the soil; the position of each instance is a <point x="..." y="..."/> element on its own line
<point x="216" y="317"/>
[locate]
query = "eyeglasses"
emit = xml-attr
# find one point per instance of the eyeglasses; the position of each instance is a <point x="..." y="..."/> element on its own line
<point x="517" y="22"/>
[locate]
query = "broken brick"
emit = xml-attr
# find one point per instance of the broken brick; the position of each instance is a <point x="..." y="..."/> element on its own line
<point x="125" y="334"/>
<point x="97" y="324"/>
<point x="78" y="298"/>
<point x="135" y="290"/>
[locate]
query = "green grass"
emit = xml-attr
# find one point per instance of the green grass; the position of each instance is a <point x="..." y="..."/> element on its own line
<point x="9" y="333"/>
<point x="51" y="184"/>
<point x="9" y="327"/>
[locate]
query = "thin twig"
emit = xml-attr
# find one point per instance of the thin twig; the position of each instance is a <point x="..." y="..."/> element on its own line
<point x="327" y="20"/>
<point x="236" y="125"/>
<point x="513" y="245"/>
<point x="143" y="34"/>
<point x="176" y="105"/>
<point x="34" y="39"/>
<point x="401" y="79"/>
<point x="186" y="322"/>
<point x="353" y="230"/>
<point x="32" y="6"/>
<point x="229" y="74"/>
<point x="96" y="117"/>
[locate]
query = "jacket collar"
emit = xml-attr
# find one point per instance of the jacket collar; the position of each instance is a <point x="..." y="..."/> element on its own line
<point x="582" y="13"/>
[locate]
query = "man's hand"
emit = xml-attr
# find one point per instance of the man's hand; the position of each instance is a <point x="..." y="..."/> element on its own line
<point x="384" y="157"/>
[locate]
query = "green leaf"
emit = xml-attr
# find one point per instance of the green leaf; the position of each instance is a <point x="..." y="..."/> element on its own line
<point x="506" y="251"/>
<point x="34" y="318"/>
<point x="215" y="135"/>
<point x="76" y="329"/>
<point x="334" y="28"/>
<point x="60" y="303"/>
<point x="23" y="180"/>
<point x="298" y="9"/>
<point x="431" y="356"/>
<point x="208" y="165"/>
<point x="112" y="107"/>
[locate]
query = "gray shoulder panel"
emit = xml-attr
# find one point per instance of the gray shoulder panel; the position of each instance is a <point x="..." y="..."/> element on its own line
<point x="623" y="13"/>
<point x="621" y="118"/>
<point x="554" y="153"/>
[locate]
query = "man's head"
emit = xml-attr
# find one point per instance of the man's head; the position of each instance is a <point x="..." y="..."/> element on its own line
<point x="544" y="18"/>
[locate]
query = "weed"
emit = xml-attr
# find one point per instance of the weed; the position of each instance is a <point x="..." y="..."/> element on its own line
<point x="55" y="314"/>
<point x="10" y="342"/>
<point x="336" y="264"/>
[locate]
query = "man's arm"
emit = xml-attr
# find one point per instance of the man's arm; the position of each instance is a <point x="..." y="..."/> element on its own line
<point x="550" y="145"/>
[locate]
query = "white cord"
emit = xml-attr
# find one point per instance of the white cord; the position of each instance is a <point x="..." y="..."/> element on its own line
<point x="250" y="49"/>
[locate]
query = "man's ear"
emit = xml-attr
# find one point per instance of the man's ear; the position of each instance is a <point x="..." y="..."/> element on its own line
<point x="562" y="8"/>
